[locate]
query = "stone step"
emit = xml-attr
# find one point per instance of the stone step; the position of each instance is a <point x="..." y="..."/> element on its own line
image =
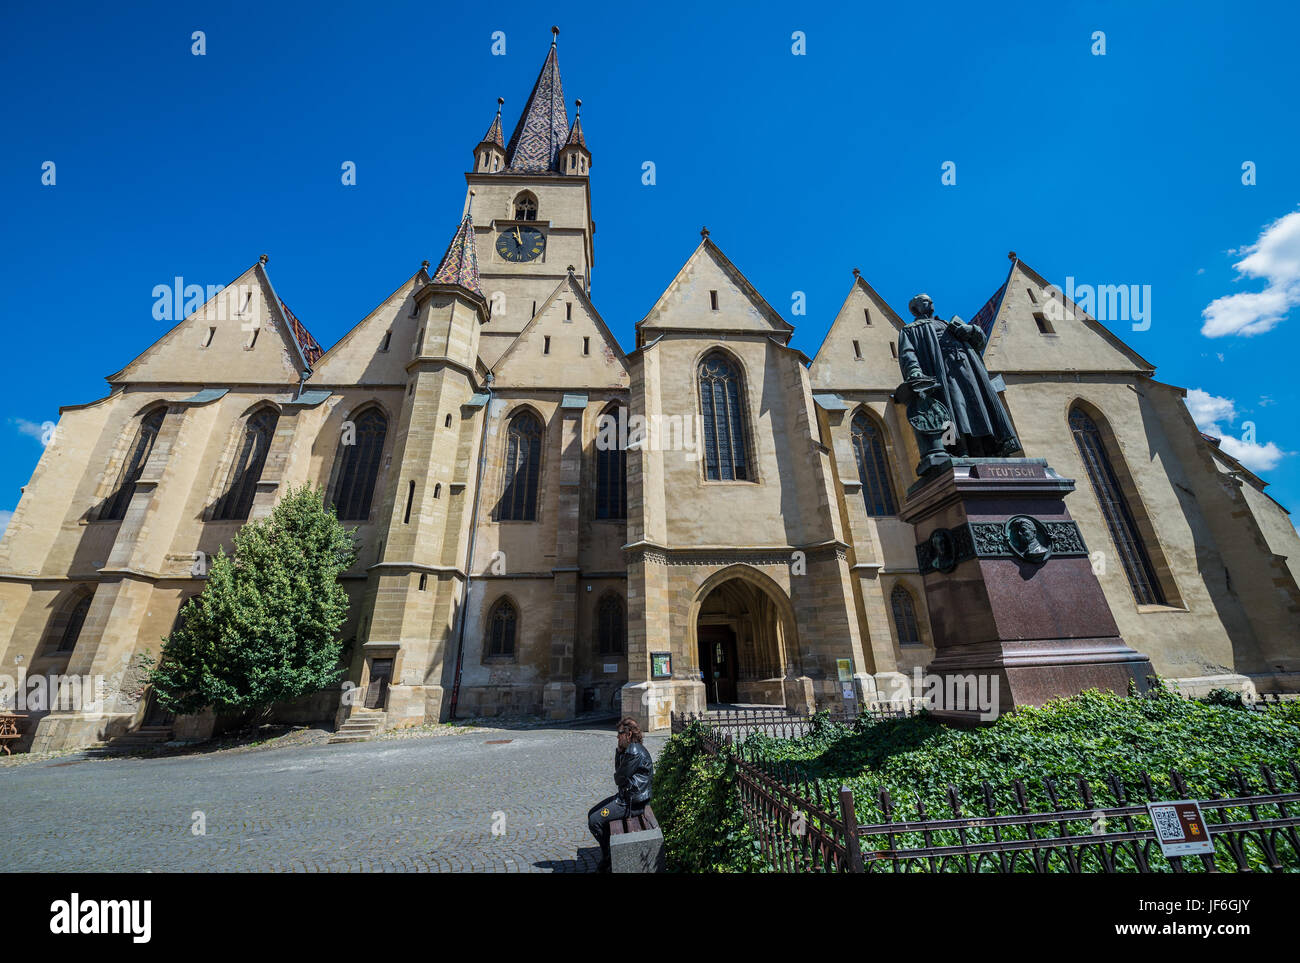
<point x="361" y="725"/>
<point x="152" y="734"/>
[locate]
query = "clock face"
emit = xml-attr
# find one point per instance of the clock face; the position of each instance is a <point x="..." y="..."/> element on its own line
<point x="520" y="243"/>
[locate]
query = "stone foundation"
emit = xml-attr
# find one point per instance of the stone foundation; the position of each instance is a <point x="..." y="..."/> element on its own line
<point x="74" y="730"/>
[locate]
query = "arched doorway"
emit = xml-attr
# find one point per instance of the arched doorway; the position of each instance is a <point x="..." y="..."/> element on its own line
<point x="744" y="628"/>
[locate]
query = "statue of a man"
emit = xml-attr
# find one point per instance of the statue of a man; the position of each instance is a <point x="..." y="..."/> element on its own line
<point x="951" y="402"/>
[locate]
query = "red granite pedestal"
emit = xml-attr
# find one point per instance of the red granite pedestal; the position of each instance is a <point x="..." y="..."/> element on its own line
<point x="1023" y="631"/>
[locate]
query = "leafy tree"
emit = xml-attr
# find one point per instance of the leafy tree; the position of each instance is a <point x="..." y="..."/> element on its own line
<point x="265" y="627"/>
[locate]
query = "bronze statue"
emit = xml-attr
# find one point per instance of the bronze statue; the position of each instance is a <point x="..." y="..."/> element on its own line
<point x="952" y="405"/>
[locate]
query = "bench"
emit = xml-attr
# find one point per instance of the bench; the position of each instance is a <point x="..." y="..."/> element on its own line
<point x="10" y="731"/>
<point x="636" y="844"/>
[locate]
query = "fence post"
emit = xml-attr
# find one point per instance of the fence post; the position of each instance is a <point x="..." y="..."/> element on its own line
<point x="849" y="816"/>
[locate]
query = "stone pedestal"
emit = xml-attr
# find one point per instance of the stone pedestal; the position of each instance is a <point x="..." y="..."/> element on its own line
<point x="1017" y="613"/>
<point x="799" y="695"/>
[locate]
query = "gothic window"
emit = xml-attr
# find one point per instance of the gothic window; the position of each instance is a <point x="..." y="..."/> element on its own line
<point x="873" y="465"/>
<point x="900" y="600"/>
<point x="611" y="625"/>
<point x="611" y="473"/>
<point x="72" y="627"/>
<point x="526" y="207"/>
<point x="523" y="466"/>
<point x="501" y="630"/>
<point x="1115" y="509"/>
<point x="115" y="506"/>
<point x="725" y="444"/>
<point x="246" y="469"/>
<point x="357" y="466"/>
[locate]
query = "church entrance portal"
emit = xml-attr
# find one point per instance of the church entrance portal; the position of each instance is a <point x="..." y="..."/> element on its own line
<point x="741" y="643"/>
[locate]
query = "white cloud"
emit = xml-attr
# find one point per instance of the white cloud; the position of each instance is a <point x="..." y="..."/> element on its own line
<point x="1258" y="458"/>
<point x="1206" y="409"/>
<point x="29" y="428"/>
<point x="1209" y="410"/>
<point x="1274" y="257"/>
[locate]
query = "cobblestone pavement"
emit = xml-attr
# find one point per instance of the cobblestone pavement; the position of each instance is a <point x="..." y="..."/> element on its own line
<point x="390" y="805"/>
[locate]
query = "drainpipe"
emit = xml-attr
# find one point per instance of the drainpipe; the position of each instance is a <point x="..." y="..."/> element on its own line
<point x="469" y="556"/>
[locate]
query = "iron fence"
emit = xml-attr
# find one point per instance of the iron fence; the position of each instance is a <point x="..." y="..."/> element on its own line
<point x="802" y="825"/>
<point x="781" y="723"/>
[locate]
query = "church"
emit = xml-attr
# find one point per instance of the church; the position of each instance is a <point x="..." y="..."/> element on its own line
<point x="551" y="523"/>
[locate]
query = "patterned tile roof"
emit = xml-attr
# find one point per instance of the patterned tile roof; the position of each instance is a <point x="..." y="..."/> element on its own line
<point x="575" y="137"/>
<point x="986" y="316"/>
<point x="535" y="145"/>
<point x="494" y="136"/>
<point x="459" y="265"/>
<point x="311" y="349"/>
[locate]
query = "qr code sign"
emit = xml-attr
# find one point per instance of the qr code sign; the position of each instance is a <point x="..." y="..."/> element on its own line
<point x="1168" y="827"/>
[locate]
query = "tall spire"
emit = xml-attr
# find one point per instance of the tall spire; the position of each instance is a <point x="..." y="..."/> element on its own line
<point x="494" y="136"/>
<point x="575" y="138"/>
<point x="544" y="125"/>
<point x="574" y="156"/>
<point x="459" y="266"/>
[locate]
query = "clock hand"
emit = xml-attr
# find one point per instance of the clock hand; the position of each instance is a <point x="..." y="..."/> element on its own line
<point x="518" y="240"/>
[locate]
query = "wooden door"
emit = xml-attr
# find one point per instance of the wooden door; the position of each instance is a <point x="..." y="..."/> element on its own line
<point x="718" y="660"/>
<point x="381" y="670"/>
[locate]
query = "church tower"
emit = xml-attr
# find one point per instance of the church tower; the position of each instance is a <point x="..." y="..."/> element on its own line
<point x="532" y="209"/>
<point x="415" y="585"/>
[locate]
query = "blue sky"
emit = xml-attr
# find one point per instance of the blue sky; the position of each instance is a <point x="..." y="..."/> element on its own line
<point x="1117" y="169"/>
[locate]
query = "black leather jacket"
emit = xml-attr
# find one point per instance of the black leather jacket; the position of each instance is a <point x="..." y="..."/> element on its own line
<point x="633" y="771"/>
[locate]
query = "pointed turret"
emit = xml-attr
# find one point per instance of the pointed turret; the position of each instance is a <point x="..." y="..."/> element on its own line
<point x="490" y="154"/>
<point x="459" y="266"/>
<point x="574" y="156"/>
<point x="543" y="127"/>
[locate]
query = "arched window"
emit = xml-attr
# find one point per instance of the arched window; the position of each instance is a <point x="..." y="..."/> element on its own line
<point x="357" y="466"/>
<point x="725" y="444"/>
<point x="72" y="627"/>
<point x="523" y="466"/>
<point x="246" y="469"/>
<point x="611" y="625"/>
<point x="611" y="468"/>
<point x="1115" y="509"/>
<point x="132" y="465"/>
<point x="873" y="465"/>
<point x="900" y="600"/>
<point x="526" y="207"/>
<point x="501" y="630"/>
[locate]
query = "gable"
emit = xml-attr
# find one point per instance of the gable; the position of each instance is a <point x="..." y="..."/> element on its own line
<point x="1076" y="341"/>
<point x="241" y="335"/>
<point x="873" y="364"/>
<point x="571" y="322"/>
<point x="379" y="346"/>
<point x="688" y="302"/>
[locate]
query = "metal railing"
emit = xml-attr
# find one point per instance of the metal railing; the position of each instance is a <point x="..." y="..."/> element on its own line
<point x="781" y="723"/>
<point x="802" y="825"/>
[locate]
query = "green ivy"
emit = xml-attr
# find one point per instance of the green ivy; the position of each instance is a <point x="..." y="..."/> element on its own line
<point x="916" y="759"/>
<point x="698" y="807"/>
